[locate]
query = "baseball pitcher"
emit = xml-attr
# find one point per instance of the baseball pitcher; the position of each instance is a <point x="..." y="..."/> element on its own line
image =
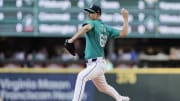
<point x="97" y="34"/>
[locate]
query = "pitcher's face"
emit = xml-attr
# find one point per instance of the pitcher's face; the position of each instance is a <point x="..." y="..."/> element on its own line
<point x="93" y="16"/>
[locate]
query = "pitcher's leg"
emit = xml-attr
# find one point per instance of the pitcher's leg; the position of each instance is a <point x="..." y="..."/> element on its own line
<point x="104" y="87"/>
<point x="89" y="73"/>
<point x="79" y="86"/>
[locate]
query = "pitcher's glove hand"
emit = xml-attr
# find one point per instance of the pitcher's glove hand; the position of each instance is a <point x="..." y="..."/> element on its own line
<point x="70" y="47"/>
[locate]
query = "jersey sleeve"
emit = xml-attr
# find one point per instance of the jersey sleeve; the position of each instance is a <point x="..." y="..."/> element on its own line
<point x="88" y="22"/>
<point x="114" y="33"/>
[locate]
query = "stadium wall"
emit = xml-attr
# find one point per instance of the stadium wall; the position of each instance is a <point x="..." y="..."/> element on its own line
<point x="58" y="84"/>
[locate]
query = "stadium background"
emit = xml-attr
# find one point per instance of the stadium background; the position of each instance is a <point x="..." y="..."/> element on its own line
<point x="35" y="67"/>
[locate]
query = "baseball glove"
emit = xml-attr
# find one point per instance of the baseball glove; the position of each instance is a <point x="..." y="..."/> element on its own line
<point x="70" y="47"/>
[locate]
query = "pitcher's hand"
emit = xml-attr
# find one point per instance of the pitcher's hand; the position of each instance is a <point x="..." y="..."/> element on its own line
<point x="124" y="13"/>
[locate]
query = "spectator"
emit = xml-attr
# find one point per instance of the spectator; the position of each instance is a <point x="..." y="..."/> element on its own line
<point x="66" y="56"/>
<point x="19" y="55"/>
<point x="41" y="55"/>
<point x="2" y="56"/>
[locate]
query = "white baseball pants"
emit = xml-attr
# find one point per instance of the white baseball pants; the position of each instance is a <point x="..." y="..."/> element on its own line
<point x="95" y="72"/>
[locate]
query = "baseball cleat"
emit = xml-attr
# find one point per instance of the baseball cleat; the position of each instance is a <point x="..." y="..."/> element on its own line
<point x="124" y="98"/>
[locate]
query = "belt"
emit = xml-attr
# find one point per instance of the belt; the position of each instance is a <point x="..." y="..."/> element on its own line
<point x="94" y="59"/>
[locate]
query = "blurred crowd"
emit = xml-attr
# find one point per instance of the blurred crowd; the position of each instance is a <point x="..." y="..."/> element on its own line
<point x="39" y="58"/>
<point x="58" y="57"/>
<point x="120" y="53"/>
